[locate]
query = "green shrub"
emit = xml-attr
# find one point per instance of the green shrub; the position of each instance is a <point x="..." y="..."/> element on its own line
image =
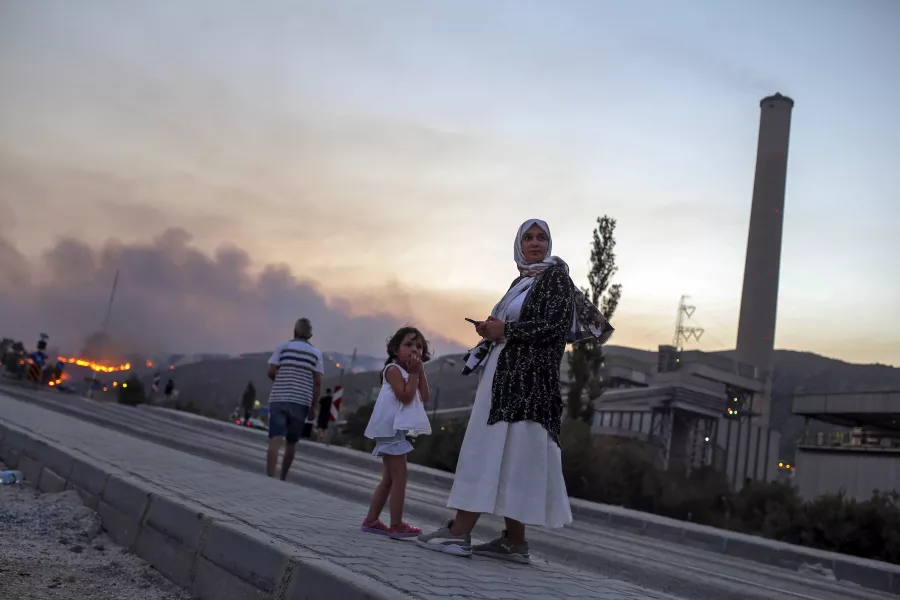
<point x="870" y="529"/>
<point x="440" y="450"/>
<point x="606" y="469"/>
<point x="339" y="439"/>
<point x="701" y="497"/>
<point x="578" y="458"/>
<point x="772" y="509"/>
<point x="881" y="518"/>
<point x="187" y="406"/>
<point x="830" y="522"/>
<point x="355" y="428"/>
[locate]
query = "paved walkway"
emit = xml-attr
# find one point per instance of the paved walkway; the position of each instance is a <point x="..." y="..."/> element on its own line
<point x="322" y="524"/>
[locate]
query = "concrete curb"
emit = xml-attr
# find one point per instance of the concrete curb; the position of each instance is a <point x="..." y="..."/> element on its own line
<point x="871" y="574"/>
<point x="208" y="553"/>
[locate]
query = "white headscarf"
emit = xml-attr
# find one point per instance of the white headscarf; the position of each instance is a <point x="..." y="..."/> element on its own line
<point x="530" y="270"/>
<point x="527" y="271"/>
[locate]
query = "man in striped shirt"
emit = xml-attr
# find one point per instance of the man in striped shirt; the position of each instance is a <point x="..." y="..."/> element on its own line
<point x="297" y="368"/>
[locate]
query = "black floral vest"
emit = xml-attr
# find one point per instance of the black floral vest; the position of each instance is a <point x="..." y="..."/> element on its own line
<point x="526" y="381"/>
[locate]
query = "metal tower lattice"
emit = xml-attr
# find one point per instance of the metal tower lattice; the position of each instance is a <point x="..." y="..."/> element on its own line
<point x="684" y="333"/>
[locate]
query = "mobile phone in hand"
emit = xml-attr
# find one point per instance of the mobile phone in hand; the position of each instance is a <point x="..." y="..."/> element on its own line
<point x="473" y="321"/>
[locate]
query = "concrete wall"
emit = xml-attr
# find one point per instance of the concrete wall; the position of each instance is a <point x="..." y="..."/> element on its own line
<point x="858" y="472"/>
<point x="851" y="403"/>
<point x="749" y="450"/>
<point x="743" y="450"/>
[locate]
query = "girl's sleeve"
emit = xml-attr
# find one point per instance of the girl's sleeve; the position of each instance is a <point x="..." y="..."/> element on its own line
<point x="553" y="324"/>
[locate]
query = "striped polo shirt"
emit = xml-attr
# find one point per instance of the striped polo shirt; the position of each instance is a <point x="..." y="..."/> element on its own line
<point x="297" y="362"/>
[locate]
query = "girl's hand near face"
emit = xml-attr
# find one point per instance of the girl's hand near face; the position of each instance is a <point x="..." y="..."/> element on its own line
<point x="414" y="365"/>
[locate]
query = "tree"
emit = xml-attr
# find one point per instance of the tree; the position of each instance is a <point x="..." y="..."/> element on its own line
<point x="586" y="358"/>
<point x="440" y="450"/>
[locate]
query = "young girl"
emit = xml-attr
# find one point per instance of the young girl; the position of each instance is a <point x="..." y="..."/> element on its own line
<point x="399" y="411"/>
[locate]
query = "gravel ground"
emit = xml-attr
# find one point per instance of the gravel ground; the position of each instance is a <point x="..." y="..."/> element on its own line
<point x="52" y="547"/>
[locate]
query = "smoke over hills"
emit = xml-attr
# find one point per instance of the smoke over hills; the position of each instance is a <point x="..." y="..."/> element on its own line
<point x="173" y="297"/>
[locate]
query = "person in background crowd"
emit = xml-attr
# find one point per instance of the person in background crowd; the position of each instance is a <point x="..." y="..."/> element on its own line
<point x="170" y="390"/>
<point x="247" y="400"/>
<point x="324" y="414"/>
<point x="297" y="368"/>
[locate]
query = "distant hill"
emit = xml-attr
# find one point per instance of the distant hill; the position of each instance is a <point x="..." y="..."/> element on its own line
<point x="449" y="388"/>
<point x="215" y="386"/>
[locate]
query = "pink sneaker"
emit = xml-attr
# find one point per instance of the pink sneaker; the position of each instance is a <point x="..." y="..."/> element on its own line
<point x="375" y="526"/>
<point x="404" y="530"/>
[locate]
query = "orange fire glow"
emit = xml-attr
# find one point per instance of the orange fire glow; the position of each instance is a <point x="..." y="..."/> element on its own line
<point x="149" y="364"/>
<point x="95" y="366"/>
<point x="55" y="382"/>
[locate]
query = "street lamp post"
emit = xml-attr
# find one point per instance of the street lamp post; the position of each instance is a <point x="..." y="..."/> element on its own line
<point x="437" y="397"/>
<point x="437" y="391"/>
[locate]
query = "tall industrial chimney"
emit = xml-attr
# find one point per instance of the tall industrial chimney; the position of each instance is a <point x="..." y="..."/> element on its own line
<point x="759" y="300"/>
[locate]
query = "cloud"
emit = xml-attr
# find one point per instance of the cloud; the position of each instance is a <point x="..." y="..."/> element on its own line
<point x="173" y="297"/>
<point x="13" y="266"/>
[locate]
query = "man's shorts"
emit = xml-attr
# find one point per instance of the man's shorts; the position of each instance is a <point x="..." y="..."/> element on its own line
<point x="286" y="420"/>
<point x="323" y="420"/>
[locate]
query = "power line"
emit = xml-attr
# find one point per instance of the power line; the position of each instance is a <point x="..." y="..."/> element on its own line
<point x="653" y="334"/>
<point x="719" y="327"/>
<point x="112" y="297"/>
<point x="716" y="340"/>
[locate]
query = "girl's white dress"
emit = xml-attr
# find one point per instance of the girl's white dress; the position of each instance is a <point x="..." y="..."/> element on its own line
<point x="392" y="421"/>
<point x="509" y="469"/>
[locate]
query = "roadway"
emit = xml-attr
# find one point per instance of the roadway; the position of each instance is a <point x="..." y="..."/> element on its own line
<point x="690" y="573"/>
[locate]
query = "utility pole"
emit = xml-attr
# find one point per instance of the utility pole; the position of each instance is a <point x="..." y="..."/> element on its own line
<point x="103" y="329"/>
<point x="112" y="296"/>
<point x="352" y="362"/>
<point x="445" y="362"/>
<point x="682" y="333"/>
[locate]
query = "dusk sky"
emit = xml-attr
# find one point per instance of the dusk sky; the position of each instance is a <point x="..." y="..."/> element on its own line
<point x="386" y="152"/>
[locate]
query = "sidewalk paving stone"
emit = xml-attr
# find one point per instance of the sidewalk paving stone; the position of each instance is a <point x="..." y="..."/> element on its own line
<point x="317" y="523"/>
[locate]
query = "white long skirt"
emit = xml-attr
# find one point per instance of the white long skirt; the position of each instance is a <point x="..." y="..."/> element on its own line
<point x="512" y="470"/>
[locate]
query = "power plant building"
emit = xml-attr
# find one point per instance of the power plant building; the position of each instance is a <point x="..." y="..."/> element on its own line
<point x="700" y="409"/>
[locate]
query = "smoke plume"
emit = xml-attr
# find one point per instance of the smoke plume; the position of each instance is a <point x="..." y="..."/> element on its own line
<point x="173" y="297"/>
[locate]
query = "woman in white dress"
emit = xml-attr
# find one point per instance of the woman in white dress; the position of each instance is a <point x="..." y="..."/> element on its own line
<point x="510" y="463"/>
